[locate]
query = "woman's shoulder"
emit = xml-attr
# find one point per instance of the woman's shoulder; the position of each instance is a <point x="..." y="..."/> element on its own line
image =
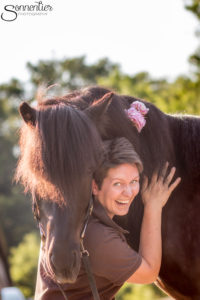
<point x="98" y="233"/>
<point x="110" y="255"/>
<point x="97" y="228"/>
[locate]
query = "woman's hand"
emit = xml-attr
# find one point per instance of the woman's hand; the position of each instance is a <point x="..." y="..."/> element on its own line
<point x="157" y="192"/>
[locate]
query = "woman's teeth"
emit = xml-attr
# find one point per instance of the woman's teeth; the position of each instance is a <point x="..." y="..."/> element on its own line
<point x="123" y="202"/>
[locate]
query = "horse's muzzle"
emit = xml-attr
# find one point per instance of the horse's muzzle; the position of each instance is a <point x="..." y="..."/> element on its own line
<point x="66" y="270"/>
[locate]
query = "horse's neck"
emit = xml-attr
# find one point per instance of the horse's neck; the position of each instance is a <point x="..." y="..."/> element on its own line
<point x="185" y="132"/>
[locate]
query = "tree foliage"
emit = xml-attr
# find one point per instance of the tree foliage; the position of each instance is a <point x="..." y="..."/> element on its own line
<point x="194" y="7"/>
<point x="139" y="292"/>
<point x="69" y="73"/>
<point x="23" y="262"/>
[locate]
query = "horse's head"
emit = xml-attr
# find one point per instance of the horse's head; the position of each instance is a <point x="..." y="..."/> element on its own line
<point x="60" y="150"/>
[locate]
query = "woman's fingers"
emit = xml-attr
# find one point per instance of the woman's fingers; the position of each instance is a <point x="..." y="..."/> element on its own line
<point x="144" y="184"/>
<point x="162" y="174"/>
<point x="170" y="176"/>
<point x="154" y="177"/>
<point x="164" y="170"/>
<point x="174" y="184"/>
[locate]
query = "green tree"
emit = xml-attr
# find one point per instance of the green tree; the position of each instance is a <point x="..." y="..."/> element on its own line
<point x="139" y="292"/>
<point x="16" y="215"/>
<point x="194" y="7"/>
<point x="23" y="263"/>
<point x="15" y="210"/>
<point x="70" y="73"/>
<point x="182" y="95"/>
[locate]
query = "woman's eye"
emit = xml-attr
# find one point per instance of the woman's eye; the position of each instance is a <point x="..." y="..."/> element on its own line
<point x="134" y="181"/>
<point x="117" y="184"/>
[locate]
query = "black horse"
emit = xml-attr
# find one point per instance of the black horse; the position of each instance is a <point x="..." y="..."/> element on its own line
<point x="60" y="149"/>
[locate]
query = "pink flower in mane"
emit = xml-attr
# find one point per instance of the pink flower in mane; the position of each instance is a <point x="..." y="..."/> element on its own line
<point x="136" y="114"/>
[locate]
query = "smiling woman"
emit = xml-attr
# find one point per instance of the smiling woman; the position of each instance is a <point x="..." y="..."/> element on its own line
<point x="118" y="190"/>
<point x="116" y="182"/>
<point x="115" y="185"/>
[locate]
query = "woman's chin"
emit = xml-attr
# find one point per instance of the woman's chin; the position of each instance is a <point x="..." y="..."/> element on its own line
<point x="121" y="209"/>
<point x="121" y="213"/>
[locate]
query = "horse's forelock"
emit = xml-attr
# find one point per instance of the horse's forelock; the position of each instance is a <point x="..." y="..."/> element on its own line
<point x="61" y="150"/>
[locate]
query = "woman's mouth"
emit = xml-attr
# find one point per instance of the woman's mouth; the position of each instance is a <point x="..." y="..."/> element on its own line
<point x="122" y="202"/>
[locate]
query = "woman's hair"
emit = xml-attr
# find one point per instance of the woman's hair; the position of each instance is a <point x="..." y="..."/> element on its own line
<point x="116" y="152"/>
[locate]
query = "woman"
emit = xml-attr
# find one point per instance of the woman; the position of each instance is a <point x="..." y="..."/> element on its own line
<point x="115" y="185"/>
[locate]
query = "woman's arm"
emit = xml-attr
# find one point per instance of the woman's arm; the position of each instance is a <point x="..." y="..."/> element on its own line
<point x="154" y="196"/>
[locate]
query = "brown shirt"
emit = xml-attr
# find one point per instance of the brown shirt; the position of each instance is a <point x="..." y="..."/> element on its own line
<point x="111" y="258"/>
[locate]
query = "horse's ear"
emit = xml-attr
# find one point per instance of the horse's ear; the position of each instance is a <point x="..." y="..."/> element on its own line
<point x="28" y="113"/>
<point x="99" y="107"/>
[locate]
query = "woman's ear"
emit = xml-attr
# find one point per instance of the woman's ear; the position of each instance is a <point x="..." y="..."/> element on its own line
<point x="94" y="188"/>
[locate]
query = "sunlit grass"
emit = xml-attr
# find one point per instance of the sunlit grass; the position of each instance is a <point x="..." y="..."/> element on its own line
<point x="139" y="292"/>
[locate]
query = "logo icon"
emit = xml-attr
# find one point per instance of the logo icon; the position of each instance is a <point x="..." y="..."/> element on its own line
<point x="11" y="12"/>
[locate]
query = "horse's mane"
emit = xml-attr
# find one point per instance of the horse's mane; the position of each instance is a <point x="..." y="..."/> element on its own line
<point x="185" y="135"/>
<point x="163" y="137"/>
<point x="58" y="151"/>
<point x="154" y="143"/>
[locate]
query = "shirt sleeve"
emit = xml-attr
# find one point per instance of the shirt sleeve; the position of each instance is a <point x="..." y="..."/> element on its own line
<point x="111" y="257"/>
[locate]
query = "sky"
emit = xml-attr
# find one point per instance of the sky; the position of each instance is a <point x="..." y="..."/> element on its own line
<point x="156" y="36"/>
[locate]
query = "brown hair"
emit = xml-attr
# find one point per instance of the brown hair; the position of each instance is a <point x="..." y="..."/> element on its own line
<point x="116" y="152"/>
<point x="55" y="153"/>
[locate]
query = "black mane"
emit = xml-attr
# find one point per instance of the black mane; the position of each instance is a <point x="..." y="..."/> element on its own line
<point x="64" y="146"/>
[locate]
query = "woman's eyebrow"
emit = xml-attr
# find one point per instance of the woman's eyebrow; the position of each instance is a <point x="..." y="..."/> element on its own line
<point x="136" y="177"/>
<point x="120" y="178"/>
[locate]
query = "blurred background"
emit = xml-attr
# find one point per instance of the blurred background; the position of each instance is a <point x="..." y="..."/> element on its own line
<point x="148" y="49"/>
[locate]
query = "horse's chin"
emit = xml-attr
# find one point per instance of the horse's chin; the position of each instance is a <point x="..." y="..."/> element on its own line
<point x="64" y="280"/>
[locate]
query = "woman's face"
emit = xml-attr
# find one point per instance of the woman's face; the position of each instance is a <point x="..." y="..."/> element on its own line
<point x="118" y="189"/>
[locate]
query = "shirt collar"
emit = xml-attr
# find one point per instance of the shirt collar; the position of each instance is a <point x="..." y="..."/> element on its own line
<point x="99" y="212"/>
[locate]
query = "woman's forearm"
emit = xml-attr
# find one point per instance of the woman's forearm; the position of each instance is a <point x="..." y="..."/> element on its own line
<point x="150" y="238"/>
<point x="154" y="196"/>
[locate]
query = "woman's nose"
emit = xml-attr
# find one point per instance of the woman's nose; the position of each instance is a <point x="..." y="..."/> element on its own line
<point x="128" y="191"/>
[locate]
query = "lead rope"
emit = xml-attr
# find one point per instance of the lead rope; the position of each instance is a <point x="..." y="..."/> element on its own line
<point x="85" y="257"/>
<point x="62" y="291"/>
<point x="86" y="262"/>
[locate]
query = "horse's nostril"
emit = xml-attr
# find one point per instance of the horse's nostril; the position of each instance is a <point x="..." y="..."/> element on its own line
<point x="65" y="265"/>
<point x="68" y="262"/>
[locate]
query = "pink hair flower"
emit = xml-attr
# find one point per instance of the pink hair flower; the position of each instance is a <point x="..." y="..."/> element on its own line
<point x="136" y="114"/>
